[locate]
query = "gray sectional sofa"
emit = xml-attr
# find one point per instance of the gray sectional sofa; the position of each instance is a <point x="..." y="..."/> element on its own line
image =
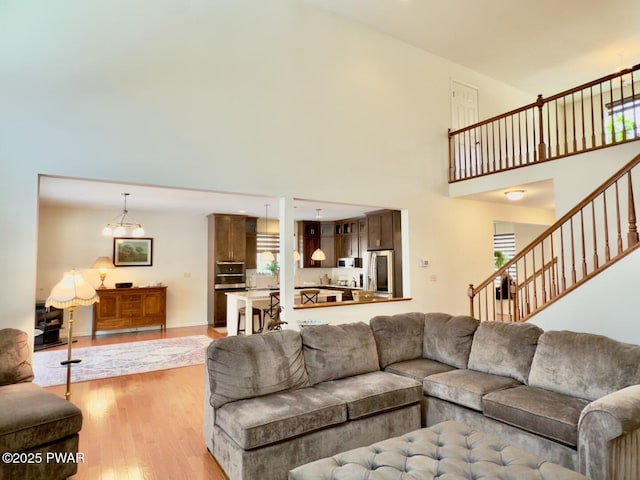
<point x="570" y="398"/>
<point x="283" y="399"/>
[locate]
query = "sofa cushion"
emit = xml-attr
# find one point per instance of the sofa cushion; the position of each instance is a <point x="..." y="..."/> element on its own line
<point x="466" y="387"/>
<point x="398" y="337"/>
<point x="260" y="421"/>
<point x="447" y="339"/>
<point x="374" y="392"/>
<point x="542" y="412"/>
<point x="504" y="349"/>
<point x="249" y="366"/>
<point x="418" y="369"/>
<point x="15" y="357"/>
<point x="583" y="365"/>
<point x="338" y="351"/>
<point x="31" y="416"/>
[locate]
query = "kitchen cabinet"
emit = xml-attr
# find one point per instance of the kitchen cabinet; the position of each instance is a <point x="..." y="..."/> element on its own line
<point x="308" y="242"/>
<point x="362" y="236"/>
<point x="251" y="247"/>
<point x="327" y="244"/>
<point x="383" y="230"/>
<point x="348" y="238"/>
<point x="230" y="238"/>
<point x="122" y="308"/>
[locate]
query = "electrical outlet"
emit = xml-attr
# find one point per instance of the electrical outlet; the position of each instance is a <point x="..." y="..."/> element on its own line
<point x="433" y="278"/>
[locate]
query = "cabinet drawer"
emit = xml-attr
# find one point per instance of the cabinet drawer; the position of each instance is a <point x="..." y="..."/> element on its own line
<point x="147" y="321"/>
<point x="114" y="324"/>
<point x="127" y="308"/>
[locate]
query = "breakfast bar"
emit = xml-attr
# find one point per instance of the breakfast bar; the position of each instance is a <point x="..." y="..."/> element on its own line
<point x="260" y="298"/>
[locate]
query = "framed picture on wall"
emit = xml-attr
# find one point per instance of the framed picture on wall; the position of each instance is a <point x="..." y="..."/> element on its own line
<point x="133" y="252"/>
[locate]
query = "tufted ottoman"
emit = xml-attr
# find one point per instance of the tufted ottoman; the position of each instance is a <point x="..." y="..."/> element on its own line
<point x="447" y="451"/>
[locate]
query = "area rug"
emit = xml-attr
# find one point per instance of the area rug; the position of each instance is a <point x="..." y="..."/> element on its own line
<point x="119" y="359"/>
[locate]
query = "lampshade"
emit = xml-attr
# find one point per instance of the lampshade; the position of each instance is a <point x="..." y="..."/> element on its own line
<point x="103" y="263"/>
<point x="267" y="257"/>
<point x="318" y="255"/>
<point x="296" y="256"/>
<point x="72" y="291"/>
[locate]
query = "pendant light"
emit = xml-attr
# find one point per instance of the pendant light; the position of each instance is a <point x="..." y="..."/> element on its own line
<point x="120" y="226"/>
<point x="268" y="256"/>
<point x="318" y="255"/>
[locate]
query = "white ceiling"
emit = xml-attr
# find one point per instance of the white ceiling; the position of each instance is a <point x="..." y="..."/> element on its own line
<point x="539" y="47"/>
<point x="70" y="192"/>
<point x="542" y="46"/>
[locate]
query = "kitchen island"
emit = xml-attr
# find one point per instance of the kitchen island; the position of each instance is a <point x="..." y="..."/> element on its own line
<point x="260" y="298"/>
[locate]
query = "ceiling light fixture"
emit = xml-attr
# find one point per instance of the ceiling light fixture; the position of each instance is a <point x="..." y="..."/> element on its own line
<point x="515" y="194"/>
<point x="268" y="256"/>
<point x="120" y="226"/>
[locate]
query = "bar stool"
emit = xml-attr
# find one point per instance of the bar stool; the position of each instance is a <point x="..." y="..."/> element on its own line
<point x="242" y="312"/>
<point x="309" y="296"/>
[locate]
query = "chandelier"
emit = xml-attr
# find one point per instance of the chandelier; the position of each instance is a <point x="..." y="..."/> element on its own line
<point x="122" y="225"/>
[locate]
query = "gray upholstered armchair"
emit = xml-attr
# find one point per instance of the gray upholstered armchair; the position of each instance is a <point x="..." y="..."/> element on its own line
<point x="34" y="424"/>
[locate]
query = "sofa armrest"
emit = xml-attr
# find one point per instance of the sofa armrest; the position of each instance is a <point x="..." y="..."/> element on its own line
<point x="602" y="421"/>
<point x="209" y="412"/>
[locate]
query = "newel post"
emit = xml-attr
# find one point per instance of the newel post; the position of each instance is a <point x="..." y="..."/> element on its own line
<point x="541" y="146"/>
<point x="470" y="295"/>
<point x="452" y="170"/>
<point x="632" y="235"/>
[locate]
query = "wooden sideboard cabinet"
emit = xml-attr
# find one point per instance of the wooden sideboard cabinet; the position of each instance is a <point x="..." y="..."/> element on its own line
<point x="122" y="308"/>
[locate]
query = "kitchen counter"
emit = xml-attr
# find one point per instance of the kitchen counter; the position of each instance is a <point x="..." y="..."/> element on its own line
<point x="260" y="298"/>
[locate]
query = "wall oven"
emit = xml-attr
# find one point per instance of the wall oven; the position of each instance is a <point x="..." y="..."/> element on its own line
<point x="229" y="275"/>
<point x="379" y="273"/>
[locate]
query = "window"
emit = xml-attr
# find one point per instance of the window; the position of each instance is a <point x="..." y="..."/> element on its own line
<point x="505" y="243"/>
<point x="267" y="242"/>
<point x="621" y="121"/>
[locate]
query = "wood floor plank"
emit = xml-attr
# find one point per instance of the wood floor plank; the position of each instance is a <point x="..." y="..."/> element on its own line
<point x="146" y="426"/>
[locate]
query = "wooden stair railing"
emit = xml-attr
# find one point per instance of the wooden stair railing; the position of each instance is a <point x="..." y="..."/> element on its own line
<point x="596" y="233"/>
<point x="574" y="121"/>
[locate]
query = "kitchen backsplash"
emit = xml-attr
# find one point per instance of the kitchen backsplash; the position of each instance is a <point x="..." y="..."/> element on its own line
<point x="308" y="276"/>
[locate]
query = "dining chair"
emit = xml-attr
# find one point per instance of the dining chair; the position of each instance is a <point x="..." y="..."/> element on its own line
<point x="309" y="296"/>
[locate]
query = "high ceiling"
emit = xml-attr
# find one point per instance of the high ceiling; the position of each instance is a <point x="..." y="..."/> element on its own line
<point x="539" y="47"/>
<point x="542" y="46"/>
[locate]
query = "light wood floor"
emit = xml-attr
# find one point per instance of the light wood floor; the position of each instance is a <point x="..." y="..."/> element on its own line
<point x="146" y="426"/>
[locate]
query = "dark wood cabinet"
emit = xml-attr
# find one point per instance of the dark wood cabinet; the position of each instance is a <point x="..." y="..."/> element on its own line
<point x="122" y="308"/>
<point x="362" y="236"/>
<point x="220" y="312"/>
<point x="327" y="244"/>
<point x="383" y="227"/>
<point x="348" y="238"/>
<point x="251" y="247"/>
<point x="308" y="242"/>
<point x="230" y="238"/>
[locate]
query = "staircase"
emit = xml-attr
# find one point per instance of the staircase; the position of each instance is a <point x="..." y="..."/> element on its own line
<point x="596" y="233"/>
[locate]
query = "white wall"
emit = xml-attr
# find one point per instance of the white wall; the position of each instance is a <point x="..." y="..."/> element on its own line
<point x="71" y="238"/>
<point x="606" y="305"/>
<point x="238" y="96"/>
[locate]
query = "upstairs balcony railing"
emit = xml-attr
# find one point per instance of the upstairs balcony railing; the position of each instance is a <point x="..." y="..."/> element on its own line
<point x="595" y="115"/>
<point x="598" y="232"/>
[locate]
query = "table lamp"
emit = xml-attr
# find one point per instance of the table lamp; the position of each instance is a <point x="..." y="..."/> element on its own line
<point x="70" y="292"/>
<point x="103" y="264"/>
